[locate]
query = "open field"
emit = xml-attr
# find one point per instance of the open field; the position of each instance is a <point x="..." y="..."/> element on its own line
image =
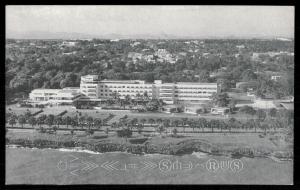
<point x="121" y="113"/>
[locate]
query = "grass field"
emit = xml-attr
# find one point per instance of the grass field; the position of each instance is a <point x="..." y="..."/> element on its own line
<point x="120" y="113"/>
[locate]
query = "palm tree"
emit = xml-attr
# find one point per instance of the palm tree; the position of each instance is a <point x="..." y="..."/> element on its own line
<point x="202" y="123"/>
<point x="192" y="124"/>
<point x="21" y="120"/>
<point x="140" y="128"/>
<point x="143" y="121"/>
<point x="231" y="123"/>
<point x="174" y="131"/>
<point x="264" y="126"/>
<point x="151" y="121"/>
<point x="166" y="124"/>
<point x="261" y="114"/>
<point x="184" y="122"/>
<point x="41" y="120"/>
<point x="12" y="120"/>
<point x="58" y="120"/>
<point x="133" y="122"/>
<point x="49" y="120"/>
<point x="32" y="121"/>
<point x="160" y="129"/>
<point x="82" y="121"/>
<point x="98" y="123"/>
<point x="273" y="112"/>
<point x="158" y="120"/>
<point x="27" y="115"/>
<point x="67" y="121"/>
<point x="75" y="121"/>
<point x="212" y="124"/>
<point x="175" y="124"/>
<point x="90" y="122"/>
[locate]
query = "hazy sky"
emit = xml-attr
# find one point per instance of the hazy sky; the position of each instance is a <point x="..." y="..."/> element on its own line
<point x="174" y="20"/>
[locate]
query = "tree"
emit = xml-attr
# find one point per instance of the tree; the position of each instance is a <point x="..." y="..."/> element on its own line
<point x="90" y="122"/>
<point x="220" y="99"/>
<point x="151" y="121"/>
<point x="143" y="121"/>
<point x="192" y="124"/>
<point x="41" y="119"/>
<point x="32" y="121"/>
<point x="21" y="120"/>
<point x="106" y="131"/>
<point x="58" y="120"/>
<point x="261" y="114"/>
<point x="166" y="124"/>
<point x="140" y="128"/>
<point x="174" y="131"/>
<point x="204" y="76"/>
<point x="273" y="112"/>
<point x="27" y="115"/>
<point x="160" y="129"/>
<point x="158" y="121"/>
<point x="184" y="122"/>
<point x="175" y="123"/>
<point x="125" y="132"/>
<point x="67" y="121"/>
<point x="202" y="123"/>
<point x="49" y="120"/>
<point x="232" y="104"/>
<point x="133" y="122"/>
<point x="247" y="110"/>
<point x="82" y="121"/>
<point x="98" y="123"/>
<point x="12" y="120"/>
<point x="231" y="123"/>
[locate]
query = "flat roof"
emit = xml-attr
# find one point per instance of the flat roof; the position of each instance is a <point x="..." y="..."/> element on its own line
<point x="43" y="90"/>
<point x="196" y="83"/>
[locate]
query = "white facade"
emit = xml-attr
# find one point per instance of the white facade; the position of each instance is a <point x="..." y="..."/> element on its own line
<point x="52" y="96"/>
<point x="170" y="93"/>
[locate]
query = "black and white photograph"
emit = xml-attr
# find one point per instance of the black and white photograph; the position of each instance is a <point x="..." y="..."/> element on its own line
<point x="149" y="94"/>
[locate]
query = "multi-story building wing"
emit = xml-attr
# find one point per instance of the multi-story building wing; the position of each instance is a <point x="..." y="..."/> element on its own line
<point x="168" y="92"/>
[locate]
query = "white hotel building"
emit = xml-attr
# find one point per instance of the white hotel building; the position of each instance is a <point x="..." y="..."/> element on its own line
<point x="170" y="93"/>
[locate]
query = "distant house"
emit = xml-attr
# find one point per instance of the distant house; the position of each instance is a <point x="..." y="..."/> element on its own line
<point x="275" y="77"/>
<point x="249" y="85"/>
<point x="264" y="104"/>
<point x="195" y="109"/>
<point x="220" y="110"/>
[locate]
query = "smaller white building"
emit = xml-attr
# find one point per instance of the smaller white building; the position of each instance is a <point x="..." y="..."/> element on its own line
<point x="54" y="96"/>
<point x="219" y="110"/>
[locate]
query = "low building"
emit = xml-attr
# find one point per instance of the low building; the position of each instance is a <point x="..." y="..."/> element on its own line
<point x="219" y="110"/>
<point x="195" y="109"/>
<point x="54" y="96"/>
<point x="275" y="77"/>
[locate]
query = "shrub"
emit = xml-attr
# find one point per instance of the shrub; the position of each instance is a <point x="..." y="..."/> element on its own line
<point x="138" y="141"/>
<point x="124" y="133"/>
<point x="89" y="131"/>
<point x="100" y="137"/>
